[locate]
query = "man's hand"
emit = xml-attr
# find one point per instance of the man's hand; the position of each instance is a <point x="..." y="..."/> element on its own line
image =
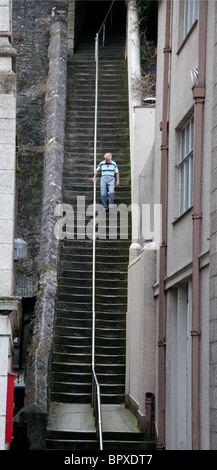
<point x="94" y="176"/>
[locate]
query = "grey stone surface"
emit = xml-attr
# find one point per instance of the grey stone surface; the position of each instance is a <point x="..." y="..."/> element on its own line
<point x="31" y="38"/>
<point x="38" y="359"/>
<point x="80" y="417"/>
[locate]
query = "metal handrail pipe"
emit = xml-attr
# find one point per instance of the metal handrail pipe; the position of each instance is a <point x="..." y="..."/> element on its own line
<point x="98" y="399"/>
<point x="99" y="416"/>
<point x="106" y="16"/>
<point x="99" y="420"/>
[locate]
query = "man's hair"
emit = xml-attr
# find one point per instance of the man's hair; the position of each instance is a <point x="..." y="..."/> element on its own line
<point x="108" y="155"/>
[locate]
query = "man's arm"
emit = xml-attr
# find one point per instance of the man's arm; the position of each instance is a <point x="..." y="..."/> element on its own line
<point x="95" y="175"/>
<point x="117" y="179"/>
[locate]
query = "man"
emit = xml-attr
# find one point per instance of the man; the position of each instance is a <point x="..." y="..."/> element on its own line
<point x="108" y="170"/>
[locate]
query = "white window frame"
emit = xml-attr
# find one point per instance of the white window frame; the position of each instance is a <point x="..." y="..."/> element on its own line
<point x="191" y="14"/>
<point x="186" y="166"/>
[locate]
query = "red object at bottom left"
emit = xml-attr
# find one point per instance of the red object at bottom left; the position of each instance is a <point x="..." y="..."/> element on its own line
<point x="9" y="408"/>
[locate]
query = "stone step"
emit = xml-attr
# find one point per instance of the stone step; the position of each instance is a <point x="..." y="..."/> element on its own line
<point x="110" y="118"/>
<point x="82" y="246"/>
<point x="84" y="291"/>
<point x="86" y="398"/>
<point x="84" y="358"/>
<point x="83" y="287"/>
<point x="68" y="318"/>
<point x="79" y="306"/>
<point x="100" y="259"/>
<point x="117" y="441"/>
<point x="82" y="189"/>
<point x="71" y="377"/>
<point x="103" y="299"/>
<point x="111" y="316"/>
<point x="85" y="368"/>
<point x="103" y="302"/>
<point x="71" y="397"/>
<point x="87" y="173"/>
<point x="72" y="387"/>
<point x="85" y="340"/>
<point x="82" y="341"/>
<point x="102" y="135"/>
<point x="81" y="377"/>
<point x="78" y="163"/>
<point x="100" y="350"/>
<point x="116" y="96"/>
<point x="124" y="180"/>
<point x="71" y="440"/>
<point x="106" y="85"/>
<point x="86" y="388"/>
<point x="108" y="276"/>
<point x="113" y="338"/>
<point x="105" y="332"/>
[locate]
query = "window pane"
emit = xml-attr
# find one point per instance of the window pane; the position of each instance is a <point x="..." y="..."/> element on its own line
<point x="192" y="134"/>
<point x="187" y="185"/>
<point x="187" y="132"/>
<point x="195" y="9"/>
<point x="191" y="180"/>
<point x="183" y="145"/>
<point x="186" y="17"/>
<point x="182" y="190"/>
<point x="186" y="166"/>
<point x="191" y="12"/>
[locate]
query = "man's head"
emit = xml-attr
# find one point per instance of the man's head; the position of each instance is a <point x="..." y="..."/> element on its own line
<point x="108" y="157"/>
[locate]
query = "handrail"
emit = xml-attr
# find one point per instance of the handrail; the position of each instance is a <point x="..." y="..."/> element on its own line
<point x="96" y="399"/>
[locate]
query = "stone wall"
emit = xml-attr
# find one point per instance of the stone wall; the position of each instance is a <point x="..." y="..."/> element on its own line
<point x="31" y="37"/>
<point x="40" y="37"/>
<point x="37" y="375"/>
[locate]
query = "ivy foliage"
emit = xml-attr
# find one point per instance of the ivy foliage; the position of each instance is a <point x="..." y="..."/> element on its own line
<point x="148" y="11"/>
<point x="147" y="16"/>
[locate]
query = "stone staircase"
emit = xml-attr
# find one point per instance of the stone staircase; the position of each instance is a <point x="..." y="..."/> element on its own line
<point x="71" y="363"/>
<point x="71" y="366"/>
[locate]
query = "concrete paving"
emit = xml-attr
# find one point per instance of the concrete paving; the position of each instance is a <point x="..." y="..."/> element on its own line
<point x="79" y="417"/>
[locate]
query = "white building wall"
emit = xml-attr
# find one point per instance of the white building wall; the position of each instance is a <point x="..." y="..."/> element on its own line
<point x="213" y="249"/>
<point x="9" y="305"/>
<point x="7" y="149"/>
<point x="141" y="332"/>
<point x="184" y="57"/>
<point x="140" y="376"/>
<point x="179" y="250"/>
<point x="4" y="343"/>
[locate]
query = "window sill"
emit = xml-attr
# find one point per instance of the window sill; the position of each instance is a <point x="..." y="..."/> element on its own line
<point x="187" y="36"/>
<point x="177" y="219"/>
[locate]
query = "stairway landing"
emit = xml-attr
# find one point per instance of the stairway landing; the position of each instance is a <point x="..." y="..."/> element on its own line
<point x="79" y="417"/>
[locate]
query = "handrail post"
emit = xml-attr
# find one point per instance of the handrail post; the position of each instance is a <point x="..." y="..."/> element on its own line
<point x="95" y="385"/>
<point x="103" y="40"/>
<point x="94" y="205"/>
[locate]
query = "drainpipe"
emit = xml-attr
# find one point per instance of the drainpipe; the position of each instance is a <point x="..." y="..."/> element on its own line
<point x="199" y="98"/>
<point x="163" y="247"/>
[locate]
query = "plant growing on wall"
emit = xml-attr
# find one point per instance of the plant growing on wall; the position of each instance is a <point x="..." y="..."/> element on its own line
<point x="148" y="11"/>
<point x="147" y="14"/>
